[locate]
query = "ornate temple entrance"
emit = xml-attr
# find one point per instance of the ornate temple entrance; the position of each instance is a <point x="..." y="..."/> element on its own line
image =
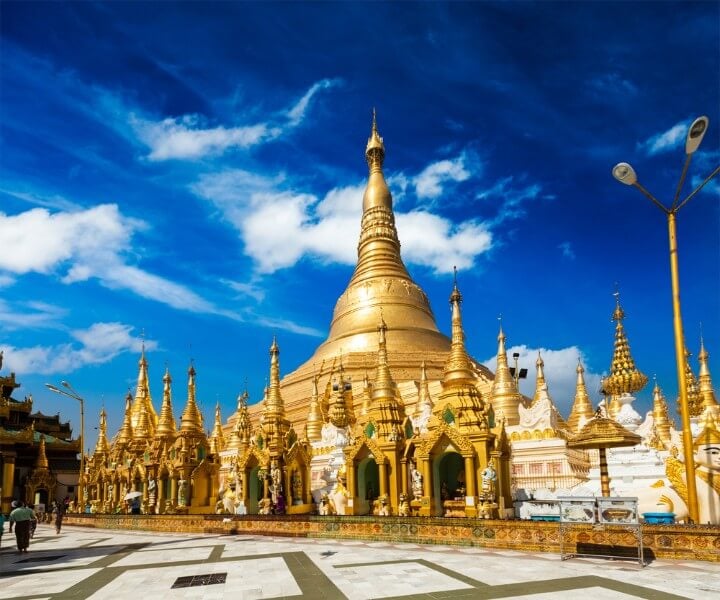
<point x="368" y="484"/>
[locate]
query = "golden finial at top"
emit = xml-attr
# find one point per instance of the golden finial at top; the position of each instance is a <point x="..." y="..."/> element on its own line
<point x="375" y="149"/>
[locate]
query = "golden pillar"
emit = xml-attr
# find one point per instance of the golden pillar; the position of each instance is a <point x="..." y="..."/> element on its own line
<point x="427" y="483"/>
<point x="8" y="476"/>
<point x="382" y="475"/>
<point x="404" y="476"/>
<point x="470" y="476"/>
<point x="173" y="491"/>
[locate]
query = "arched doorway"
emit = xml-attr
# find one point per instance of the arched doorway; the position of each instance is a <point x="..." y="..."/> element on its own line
<point x="368" y="484"/>
<point x="448" y="478"/>
<point x="255" y="490"/>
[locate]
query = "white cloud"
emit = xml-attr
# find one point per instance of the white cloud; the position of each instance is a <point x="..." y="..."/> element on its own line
<point x="185" y="138"/>
<point x="280" y="227"/>
<point x="190" y="137"/>
<point x="428" y="183"/>
<point x="612" y="84"/>
<point x="667" y="140"/>
<point x="560" y="373"/>
<point x="6" y="280"/>
<point x="98" y="344"/>
<point x="87" y="244"/>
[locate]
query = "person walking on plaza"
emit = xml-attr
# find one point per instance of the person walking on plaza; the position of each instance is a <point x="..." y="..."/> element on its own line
<point x="20" y="517"/>
<point x="58" y="514"/>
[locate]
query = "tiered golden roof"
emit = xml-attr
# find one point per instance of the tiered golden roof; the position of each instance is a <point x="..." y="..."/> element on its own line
<point x="242" y="430"/>
<point x="505" y="397"/>
<point x="624" y="376"/>
<point x="603" y="432"/>
<point x="582" y="410"/>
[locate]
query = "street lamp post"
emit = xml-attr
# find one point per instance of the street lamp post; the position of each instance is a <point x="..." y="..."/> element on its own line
<point x="71" y="393"/>
<point x="624" y="173"/>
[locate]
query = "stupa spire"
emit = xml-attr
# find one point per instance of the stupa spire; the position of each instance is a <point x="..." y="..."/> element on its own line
<point x="166" y="423"/>
<point x="707" y="393"/>
<point x="315" y="419"/>
<point x="582" y="410"/>
<point x="540" y="382"/>
<point x="385" y="407"/>
<point x="624" y="378"/>
<point x="425" y="403"/>
<point x="217" y="439"/>
<point x="125" y="434"/>
<point x="695" y="400"/>
<point x="459" y="393"/>
<point x="41" y="464"/>
<point x="242" y="430"/>
<point x="504" y="394"/>
<point x="101" y="446"/>
<point x="191" y="421"/>
<point x="274" y="420"/>
<point x="661" y="419"/>
<point x="143" y="399"/>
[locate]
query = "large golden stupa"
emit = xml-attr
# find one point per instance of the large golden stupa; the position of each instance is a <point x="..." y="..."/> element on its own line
<point x="380" y="283"/>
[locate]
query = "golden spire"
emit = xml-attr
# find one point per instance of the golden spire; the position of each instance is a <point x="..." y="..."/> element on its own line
<point x="540" y="382"/>
<point x="380" y="278"/>
<point x="624" y="376"/>
<point x="191" y="422"/>
<point x="424" y="403"/>
<point x="142" y="429"/>
<point x="143" y="400"/>
<point x="707" y="393"/>
<point x="458" y="385"/>
<point x="582" y="410"/>
<point x="504" y="394"/>
<point x="242" y="430"/>
<point x="41" y="464"/>
<point x="385" y="408"/>
<point x="315" y="419"/>
<point x="367" y="395"/>
<point x="275" y="423"/>
<point x="339" y="409"/>
<point x="101" y="447"/>
<point x="217" y="439"/>
<point x="661" y="420"/>
<point x="166" y="423"/>
<point x="125" y="434"/>
<point x="695" y="402"/>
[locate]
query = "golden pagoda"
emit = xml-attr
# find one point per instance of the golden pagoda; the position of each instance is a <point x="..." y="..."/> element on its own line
<point x="625" y="379"/>
<point x="505" y="397"/>
<point x="661" y="421"/>
<point x="380" y="280"/>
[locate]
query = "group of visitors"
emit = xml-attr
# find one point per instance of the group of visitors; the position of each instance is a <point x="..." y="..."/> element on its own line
<point x="23" y="519"/>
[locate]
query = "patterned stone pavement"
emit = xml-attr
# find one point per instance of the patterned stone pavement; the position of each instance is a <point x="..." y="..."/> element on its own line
<point x="104" y="564"/>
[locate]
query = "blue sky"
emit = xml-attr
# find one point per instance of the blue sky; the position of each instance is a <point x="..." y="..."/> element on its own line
<point x="195" y="171"/>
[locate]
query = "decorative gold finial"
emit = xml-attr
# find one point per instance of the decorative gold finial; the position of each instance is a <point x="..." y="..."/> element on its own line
<point x="624" y="378"/>
<point x="375" y="149"/>
<point x="505" y="397"/>
<point x="705" y="385"/>
<point x="582" y="410"/>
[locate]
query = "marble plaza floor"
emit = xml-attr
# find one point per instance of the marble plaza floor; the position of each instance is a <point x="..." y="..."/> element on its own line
<point x="104" y="564"/>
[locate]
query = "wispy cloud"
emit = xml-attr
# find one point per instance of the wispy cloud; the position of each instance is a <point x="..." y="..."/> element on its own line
<point x="99" y="343"/>
<point x="567" y="250"/>
<point x="612" y="84"/>
<point x="297" y="113"/>
<point x="30" y="314"/>
<point x="512" y="198"/>
<point x="55" y="202"/>
<point x="666" y="140"/>
<point x="560" y="373"/>
<point x="191" y="137"/>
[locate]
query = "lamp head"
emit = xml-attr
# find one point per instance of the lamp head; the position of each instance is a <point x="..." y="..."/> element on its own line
<point x="65" y="384"/>
<point x="695" y="134"/>
<point x="51" y="387"/>
<point x="624" y="173"/>
<point x="516" y="355"/>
